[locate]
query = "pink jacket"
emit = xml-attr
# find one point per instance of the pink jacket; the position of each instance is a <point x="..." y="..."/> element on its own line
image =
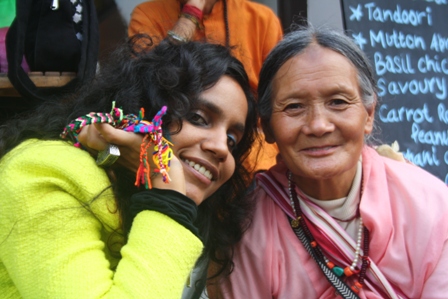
<point x="406" y="211"/>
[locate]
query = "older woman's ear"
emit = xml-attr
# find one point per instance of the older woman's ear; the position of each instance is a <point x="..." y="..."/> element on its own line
<point x="368" y="128"/>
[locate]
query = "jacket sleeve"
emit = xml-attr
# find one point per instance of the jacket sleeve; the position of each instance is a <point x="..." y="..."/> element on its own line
<point x="56" y="240"/>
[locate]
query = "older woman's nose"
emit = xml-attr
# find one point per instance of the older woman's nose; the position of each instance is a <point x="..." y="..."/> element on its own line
<point x="317" y="122"/>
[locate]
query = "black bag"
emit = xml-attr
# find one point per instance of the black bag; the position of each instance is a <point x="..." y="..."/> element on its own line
<point x="56" y="36"/>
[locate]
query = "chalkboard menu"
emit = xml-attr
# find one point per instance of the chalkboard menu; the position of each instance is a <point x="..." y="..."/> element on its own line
<point x="407" y="43"/>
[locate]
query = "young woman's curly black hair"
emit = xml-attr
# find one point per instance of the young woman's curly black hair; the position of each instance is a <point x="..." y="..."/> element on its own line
<point x="166" y="75"/>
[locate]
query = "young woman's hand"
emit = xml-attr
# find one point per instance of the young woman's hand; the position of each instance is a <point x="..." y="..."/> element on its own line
<point x="97" y="137"/>
<point x="176" y="175"/>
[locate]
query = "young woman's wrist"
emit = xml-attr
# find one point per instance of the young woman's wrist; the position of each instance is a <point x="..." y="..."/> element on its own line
<point x="171" y="203"/>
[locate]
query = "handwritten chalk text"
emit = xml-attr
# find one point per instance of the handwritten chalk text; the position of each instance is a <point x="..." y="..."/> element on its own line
<point x="443" y="113"/>
<point x="423" y="158"/>
<point x="401" y="114"/>
<point x="439" y="43"/>
<point x="397" y="39"/>
<point x="399" y="15"/>
<point x="429" y="137"/>
<point x="435" y="85"/>
<point x="397" y="64"/>
<point x="438" y="1"/>
<point x="433" y="64"/>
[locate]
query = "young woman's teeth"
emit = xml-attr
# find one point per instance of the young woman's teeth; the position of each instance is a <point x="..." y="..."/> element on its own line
<point x="201" y="169"/>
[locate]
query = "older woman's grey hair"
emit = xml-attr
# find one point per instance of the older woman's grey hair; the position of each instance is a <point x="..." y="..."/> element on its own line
<point x="294" y="43"/>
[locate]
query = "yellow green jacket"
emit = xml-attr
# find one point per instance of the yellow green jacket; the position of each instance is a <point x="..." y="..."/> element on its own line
<point x="60" y="237"/>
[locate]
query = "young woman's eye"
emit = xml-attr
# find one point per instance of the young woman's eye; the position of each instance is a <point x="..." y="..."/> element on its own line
<point x="197" y="119"/>
<point x="231" y="142"/>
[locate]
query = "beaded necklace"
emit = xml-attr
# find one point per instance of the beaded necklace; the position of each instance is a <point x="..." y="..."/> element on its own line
<point x="348" y="270"/>
<point x="162" y="153"/>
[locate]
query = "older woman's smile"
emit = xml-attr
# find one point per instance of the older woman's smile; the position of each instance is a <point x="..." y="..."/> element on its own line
<point x="319" y="150"/>
<point x="319" y="111"/>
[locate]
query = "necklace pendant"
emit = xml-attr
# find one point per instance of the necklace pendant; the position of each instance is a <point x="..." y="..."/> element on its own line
<point x="295" y="222"/>
<point x="338" y="271"/>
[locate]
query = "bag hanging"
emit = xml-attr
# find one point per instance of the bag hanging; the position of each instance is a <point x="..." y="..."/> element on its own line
<point x="56" y="36"/>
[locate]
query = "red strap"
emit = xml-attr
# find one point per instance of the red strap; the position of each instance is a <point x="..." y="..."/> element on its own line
<point x="193" y="11"/>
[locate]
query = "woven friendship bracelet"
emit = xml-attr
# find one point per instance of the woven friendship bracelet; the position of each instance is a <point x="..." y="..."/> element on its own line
<point x="75" y="126"/>
<point x="162" y="153"/>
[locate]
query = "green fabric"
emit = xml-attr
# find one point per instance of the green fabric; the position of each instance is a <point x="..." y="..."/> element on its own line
<point x="7" y="12"/>
<point x="59" y="239"/>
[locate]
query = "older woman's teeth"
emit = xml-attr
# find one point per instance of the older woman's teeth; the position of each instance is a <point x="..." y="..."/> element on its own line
<point x="201" y="169"/>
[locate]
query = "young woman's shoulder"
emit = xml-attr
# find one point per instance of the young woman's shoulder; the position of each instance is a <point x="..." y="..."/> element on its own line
<point x="39" y="167"/>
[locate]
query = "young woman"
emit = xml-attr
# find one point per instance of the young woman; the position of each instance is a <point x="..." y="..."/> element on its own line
<point x="72" y="229"/>
<point x="250" y="28"/>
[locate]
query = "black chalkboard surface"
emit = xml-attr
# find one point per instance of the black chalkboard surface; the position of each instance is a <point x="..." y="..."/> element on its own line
<point x="407" y="42"/>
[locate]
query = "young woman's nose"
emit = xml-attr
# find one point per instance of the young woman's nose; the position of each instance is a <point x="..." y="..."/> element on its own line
<point x="216" y="142"/>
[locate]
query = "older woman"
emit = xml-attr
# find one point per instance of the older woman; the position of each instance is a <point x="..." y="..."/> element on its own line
<point x="334" y="218"/>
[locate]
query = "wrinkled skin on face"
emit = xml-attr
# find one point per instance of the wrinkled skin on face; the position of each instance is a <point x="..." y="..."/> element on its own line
<point x="319" y="121"/>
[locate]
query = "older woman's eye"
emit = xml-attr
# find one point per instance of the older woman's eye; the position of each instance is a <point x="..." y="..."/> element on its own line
<point x="293" y="106"/>
<point x="338" y="102"/>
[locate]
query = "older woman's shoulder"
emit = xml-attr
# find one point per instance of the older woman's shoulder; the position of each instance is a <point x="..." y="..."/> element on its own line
<point x="400" y="171"/>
